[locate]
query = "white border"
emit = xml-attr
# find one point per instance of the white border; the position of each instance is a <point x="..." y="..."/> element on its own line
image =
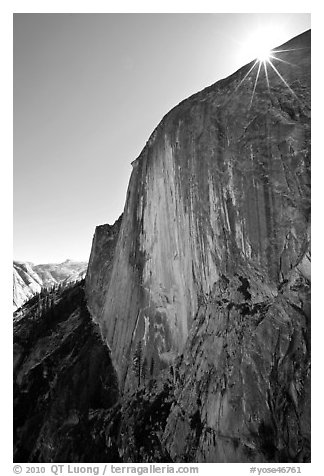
<point x="97" y="6"/>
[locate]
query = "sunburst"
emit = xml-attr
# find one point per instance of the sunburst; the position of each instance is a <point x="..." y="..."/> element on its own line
<point x="264" y="59"/>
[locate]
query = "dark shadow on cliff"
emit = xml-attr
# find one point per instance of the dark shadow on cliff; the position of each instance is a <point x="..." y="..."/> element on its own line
<point x="62" y="375"/>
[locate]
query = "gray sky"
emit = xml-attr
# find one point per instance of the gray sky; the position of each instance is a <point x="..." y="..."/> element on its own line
<point x="88" y="91"/>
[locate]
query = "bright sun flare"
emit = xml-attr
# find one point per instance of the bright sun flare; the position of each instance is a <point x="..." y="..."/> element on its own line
<point x="263" y="54"/>
<point x="259" y="42"/>
<point x="258" y="45"/>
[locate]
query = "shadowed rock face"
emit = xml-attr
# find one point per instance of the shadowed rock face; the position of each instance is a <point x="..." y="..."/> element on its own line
<point x="100" y="266"/>
<point x="223" y="182"/>
<point x="242" y="388"/>
<point x="62" y="377"/>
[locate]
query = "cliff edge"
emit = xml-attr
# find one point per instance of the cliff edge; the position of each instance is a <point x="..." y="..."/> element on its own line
<point x="222" y="184"/>
<point x="210" y="283"/>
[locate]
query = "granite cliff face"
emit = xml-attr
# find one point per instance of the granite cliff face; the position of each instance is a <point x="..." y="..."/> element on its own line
<point x="211" y="273"/>
<point x="201" y="291"/>
<point x="220" y="193"/>
<point x="100" y="266"/>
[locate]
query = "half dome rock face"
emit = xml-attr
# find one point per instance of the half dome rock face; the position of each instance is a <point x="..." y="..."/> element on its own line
<point x="217" y="213"/>
<point x="201" y="290"/>
<point x="100" y="266"/>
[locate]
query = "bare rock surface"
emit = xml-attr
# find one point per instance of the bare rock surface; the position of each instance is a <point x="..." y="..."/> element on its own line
<point x="223" y="181"/>
<point x="211" y="273"/>
<point x="243" y="382"/>
<point x="100" y="266"/>
<point x="201" y="291"/>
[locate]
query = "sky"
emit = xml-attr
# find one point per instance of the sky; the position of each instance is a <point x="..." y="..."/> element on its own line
<point x="88" y="91"/>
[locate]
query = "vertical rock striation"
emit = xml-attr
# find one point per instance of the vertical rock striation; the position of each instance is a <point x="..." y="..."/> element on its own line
<point x="100" y="266"/>
<point x="223" y="183"/>
<point x="243" y="383"/>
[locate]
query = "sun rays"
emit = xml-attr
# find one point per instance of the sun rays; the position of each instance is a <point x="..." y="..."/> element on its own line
<point x="262" y="65"/>
<point x="256" y="80"/>
<point x="266" y="58"/>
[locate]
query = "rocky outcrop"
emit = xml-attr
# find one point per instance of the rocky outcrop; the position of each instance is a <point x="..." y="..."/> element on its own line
<point x="29" y="278"/>
<point x="243" y="382"/>
<point x="211" y="275"/>
<point x="240" y="392"/>
<point x="100" y="266"/>
<point x="223" y="183"/>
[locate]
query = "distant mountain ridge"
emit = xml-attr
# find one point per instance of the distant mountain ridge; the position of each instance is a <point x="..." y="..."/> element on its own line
<point x="29" y="278"/>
